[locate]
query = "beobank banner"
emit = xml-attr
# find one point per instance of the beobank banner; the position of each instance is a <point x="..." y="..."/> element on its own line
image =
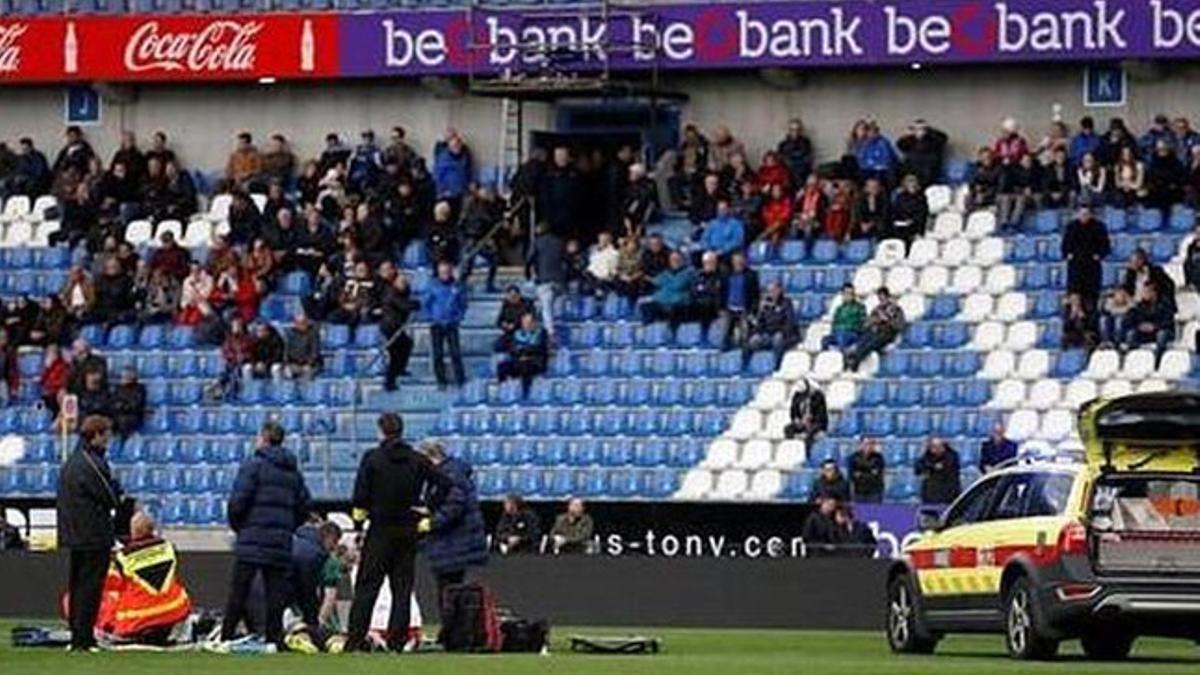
<point x="168" y="48"/>
<point x="696" y="36"/>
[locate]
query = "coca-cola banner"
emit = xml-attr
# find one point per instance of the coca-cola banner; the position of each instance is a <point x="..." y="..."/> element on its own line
<point x="149" y="48"/>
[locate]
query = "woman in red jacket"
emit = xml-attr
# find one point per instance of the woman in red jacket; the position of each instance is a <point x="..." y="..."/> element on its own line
<point x="54" y="377"/>
<point x="248" y="293"/>
<point x="773" y="172"/>
<point x="841" y="210"/>
<point x="777" y="215"/>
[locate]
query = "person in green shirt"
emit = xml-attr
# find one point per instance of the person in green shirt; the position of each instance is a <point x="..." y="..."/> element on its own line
<point x="572" y="531"/>
<point x="848" y="320"/>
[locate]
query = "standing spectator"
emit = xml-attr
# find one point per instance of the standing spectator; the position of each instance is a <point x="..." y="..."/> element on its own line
<point x="1019" y="182"/>
<point x="88" y="495"/>
<point x="171" y="257"/>
<point x="528" y="353"/>
<point x="1084" y="246"/>
<point x="883" y="326"/>
<point x="398" y="151"/>
<point x="830" y="483"/>
<point x="336" y="153"/>
<point x="1159" y="132"/>
<point x="1058" y="181"/>
<point x="996" y="449"/>
<point x="10" y="370"/>
<point x="159" y="150"/>
<point x="395" y="306"/>
<point x="1079" y="323"/>
<point x="278" y="162"/>
<point x="631" y="277"/>
<point x="129" y="155"/>
<point x="266" y="351"/>
<point x="519" y="530"/>
<point x="1010" y="145"/>
<point x="302" y="349"/>
<point x="245" y="164"/>
<point x="1186" y="138"/>
<point x="641" y="205"/>
<point x="482" y="213"/>
<point x="1057" y="138"/>
<point x="866" y="468"/>
<point x="547" y="258"/>
<point x="726" y="233"/>
<point x="910" y="213"/>
<point x="457" y="539"/>
<point x="600" y="276"/>
<point x="938" y="469"/>
<point x="452" y="168"/>
<point x="985" y="181"/>
<point x="820" y="532"/>
<point x="128" y="403"/>
<point x="796" y="150"/>
<point x="33" y="170"/>
<point x="848" y="320"/>
<point x="573" y="530"/>
<point x="269" y="502"/>
<point x="366" y="165"/>
<point x="722" y="149"/>
<point x="559" y="196"/>
<point x="355" y="293"/>
<point x="1152" y="320"/>
<point x="445" y="304"/>
<point x="1165" y="179"/>
<point x="808" y="412"/>
<point x="741" y="299"/>
<point x="1091" y="179"/>
<point x="772" y="325"/>
<point x="924" y="149"/>
<point x="876" y="156"/>
<point x="691" y="163"/>
<point x="55" y="370"/>
<point x="1084" y="142"/>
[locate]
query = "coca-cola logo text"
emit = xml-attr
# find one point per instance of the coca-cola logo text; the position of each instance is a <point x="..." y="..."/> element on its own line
<point x="10" y="47"/>
<point x="220" y="46"/>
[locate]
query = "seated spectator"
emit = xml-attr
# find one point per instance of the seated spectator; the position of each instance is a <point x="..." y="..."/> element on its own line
<point x="772" y="325"/>
<point x="335" y="153"/>
<point x="1010" y="146"/>
<point x="83" y="362"/>
<point x="244" y="164"/>
<point x="10" y="369"/>
<point x="883" y="326"/>
<point x="1058" y="181"/>
<point x="996" y="449"/>
<point x="839" y="217"/>
<point x="808" y="413"/>
<point x="938" y="469"/>
<point x="1152" y="320"/>
<point x="235" y="354"/>
<point x="355" y="294"/>
<point x="985" y="181"/>
<point x="810" y="208"/>
<point x="1114" y="309"/>
<point x="194" y="295"/>
<point x="115" y="299"/>
<point x="1140" y="274"/>
<point x="737" y="173"/>
<point x="656" y="257"/>
<point x="266" y="351"/>
<point x="51" y="322"/>
<point x="1191" y="261"/>
<point x="78" y="295"/>
<point x="1091" y="180"/>
<point x="94" y="398"/>
<point x="55" y="371"/>
<point x="866" y="468"/>
<point x="741" y="299"/>
<point x="856" y="538"/>
<point x="924" y="149"/>
<point x="262" y="262"/>
<point x="872" y="215"/>
<point x="280" y="235"/>
<point x="1079" y="323"/>
<point x="18" y="318"/>
<point x="820" y="533"/>
<point x="1159" y="132"/>
<point x="573" y="530"/>
<point x="748" y="207"/>
<point x="777" y="215"/>
<point x="314" y="244"/>
<point x="726" y="233"/>
<point x="704" y="199"/>
<point x="707" y="291"/>
<point x="128" y="403"/>
<point x="528" y="353"/>
<point x="1129" y="178"/>
<point x="910" y="213"/>
<point x="519" y="530"/>
<point x="575" y="266"/>
<point x="631" y="281"/>
<point x="830" y="483"/>
<point x="723" y="148"/>
<point x="512" y="307"/>
<point x="1020" y="182"/>
<point x="171" y="257"/>
<point x="848" y="321"/>
<point x="10" y="536"/>
<point x="600" y="276"/>
<point x="672" y="292"/>
<point x="641" y="204"/>
<point x="302" y="349"/>
<point x="1057" y="138"/>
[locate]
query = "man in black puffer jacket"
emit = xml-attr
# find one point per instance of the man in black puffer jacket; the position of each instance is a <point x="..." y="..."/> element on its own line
<point x="268" y="503"/>
<point x="391" y="481"/>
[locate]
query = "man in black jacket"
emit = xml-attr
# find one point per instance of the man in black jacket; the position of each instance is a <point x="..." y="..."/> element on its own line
<point x="391" y="481"/>
<point x="128" y="402"/>
<point x="395" y="305"/>
<point x="866" y="468"/>
<point x="938" y="468"/>
<point x="830" y="483"/>
<point x="559" y="195"/>
<point x="88" y="497"/>
<point x="924" y="151"/>
<point x="820" y="533"/>
<point x="519" y="530"/>
<point x="808" y="412"/>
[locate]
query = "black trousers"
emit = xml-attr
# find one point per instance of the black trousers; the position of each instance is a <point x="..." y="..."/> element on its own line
<point x="399" y="352"/>
<point x="445" y="580"/>
<point x="525" y="369"/>
<point x="86" y="588"/>
<point x="445" y="338"/>
<point x="276" y="586"/>
<point x="389" y="552"/>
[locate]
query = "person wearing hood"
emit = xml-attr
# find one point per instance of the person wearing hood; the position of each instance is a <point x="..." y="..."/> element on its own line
<point x="808" y="412"/>
<point x="388" y="488"/>
<point x="457" y="535"/>
<point x="268" y="503"/>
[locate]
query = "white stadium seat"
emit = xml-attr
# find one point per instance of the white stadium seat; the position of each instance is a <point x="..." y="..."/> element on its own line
<point x="1001" y="279"/>
<point x="815" y="336"/>
<point x="1152" y="386"/>
<point x="789" y="454"/>
<point x="1022" y="424"/>
<point x="889" y="252"/>
<point x="961" y="193"/>
<point x="989" y="252"/>
<point x="1115" y="388"/>
<point x="198" y="234"/>
<point x="939" y="198"/>
<point x="955" y="252"/>
<point x="934" y="280"/>
<point x="840" y="394"/>
<point x="1080" y="392"/>
<point x="988" y="336"/>
<point x="1138" y="365"/>
<point x="43" y="204"/>
<point x="17" y="207"/>
<point x="1033" y="365"/>
<point x="980" y="224"/>
<point x="1176" y="364"/>
<point x="976" y="307"/>
<point x="260" y="201"/>
<point x="966" y="280"/>
<point x="1021" y="336"/>
<point x="1012" y="306"/>
<point x="746" y="424"/>
<point x="765" y="484"/>
<point x="722" y="452"/>
<point x="1009" y="394"/>
<point x="900" y="279"/>
<point x="1188" y="303"/>
<point x="775" y="423"/>
<point x="42" y="232"/>
<point x="948" y="225"/>
<point x="867" y="280"/>
<point x="696" y="484"/>
<point x="1102" y="364"/>
<point x="827" y="365"/>
<point x="730" y="485"/>
<point x="923" y="252"/>
<point x="19" y="233"/>
<point x="139" y="232"/>
<point x="998" y="365"/>
<point x="218" y="210"/>
<point x="1056" y="425"/>
<point x="755" y="454"/>
<point x="913" y="305"/>
<point x="771" y="394"/>
<point x="795" y="365"/>
<point x="1045" y="394"/>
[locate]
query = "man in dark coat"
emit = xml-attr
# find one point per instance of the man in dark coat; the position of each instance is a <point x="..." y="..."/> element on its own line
<point x="796" y="150"/>
<point x="924" y="151"/>
<point x="395" y="305"/>
<point x="519" y="530"/>
<point x="1140" y="273"/>
<point x="84" y="360"/>
<point x="938" y="469"/>
<point x="820" y="532"/>
<point x="866" y="468"/>
<point x="559" y="195"/>
<point x="268" y="504"/>
<point x="457" y="535"/>
<point x="830" y="483"/>
<point x="1085" y="245"/>
<point x="388" y="488"/>
<point x="996" y="449"/>
<point x="88" y="497"/>
<point x="808" y="412"/>
<point x="855" y="538"/>
<point x="128" y="402"/>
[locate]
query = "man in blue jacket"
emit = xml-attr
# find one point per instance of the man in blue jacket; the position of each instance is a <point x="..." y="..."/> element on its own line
<point x="457" y="538"/>
<point x="672" y="292"/>
<point x="996" y="450"/>
<point x="445" y="303"/>
<point x="724" y="234"/>
<point x="268" y="503"/>
<point x="452" y="169"/>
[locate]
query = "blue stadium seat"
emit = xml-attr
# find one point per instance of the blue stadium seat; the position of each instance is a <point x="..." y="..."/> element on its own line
<point x="1034" y="277"/>
<point x="1047" y="221"/>
<point x="1021" y="249"/>
<point x="907" y="394"/>
<point x="797" y="485"/>
<point x="152" y="336"/>
<point x="650" y="453"/>
<point x="152" y="365"/>
<point x="624" y="484"/>
<point x="587" y="336"/>
<point x="602" y="392"/>
<point x="963" y="363"/>
<point x="183" y="364"/>
<point x="914" y="424"/>
<point x="621" y="335"/>
<point x="1050" y="336"/>
<point x="894" y="364"/>
<point x="1045" y="305"/>
<point x="942" y="307"/>
<point x="857" y="251"/>
<point x="761" y="253"/>
<point x="1183" y="219"/>
<point x="824" y="252"/>
<point x="794" y="252"/>
<point x="685" y="454"/>
<point x="1148" y="220"/>
<point x="1069" y="363"/>
<point x="593" y="483"/>
<point x="334" y="336"/>
<point x="689" y="335"/>
<point x="701" y="393"/>
<point x="1162" y="250"/>
<point x="654" y="335"/>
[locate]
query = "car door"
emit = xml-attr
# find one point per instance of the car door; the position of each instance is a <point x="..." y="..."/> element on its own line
<point x="946" y="560"/>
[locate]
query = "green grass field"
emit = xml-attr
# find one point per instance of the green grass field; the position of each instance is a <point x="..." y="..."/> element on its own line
<point x="728" y="652"/>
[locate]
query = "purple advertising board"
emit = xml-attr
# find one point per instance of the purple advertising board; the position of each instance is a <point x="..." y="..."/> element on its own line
<point x="894" y="525"/>
<point x="812" y="33"/>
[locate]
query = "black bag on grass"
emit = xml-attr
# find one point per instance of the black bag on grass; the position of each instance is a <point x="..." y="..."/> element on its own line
<point x="469" y="620"/>
<point x="523" y="635"/>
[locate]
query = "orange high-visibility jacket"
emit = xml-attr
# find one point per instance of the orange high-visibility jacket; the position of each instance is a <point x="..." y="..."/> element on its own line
<point x="143" y="590"/>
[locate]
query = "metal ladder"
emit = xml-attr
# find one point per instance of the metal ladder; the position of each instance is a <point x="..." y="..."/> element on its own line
<point x="511" y="130"/>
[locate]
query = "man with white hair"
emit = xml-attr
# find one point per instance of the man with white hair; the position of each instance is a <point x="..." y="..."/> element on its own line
<point x="1010" y="145"/>
<point x="641" y="201"/>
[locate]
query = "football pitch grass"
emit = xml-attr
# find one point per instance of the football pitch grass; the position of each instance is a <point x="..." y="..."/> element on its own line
<point x="685" y="652"/>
